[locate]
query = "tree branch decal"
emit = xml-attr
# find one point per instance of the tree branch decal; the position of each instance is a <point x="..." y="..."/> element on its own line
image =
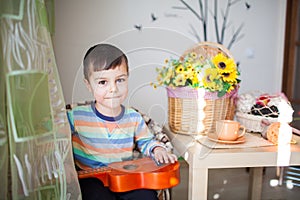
<point x="202" y="16"/>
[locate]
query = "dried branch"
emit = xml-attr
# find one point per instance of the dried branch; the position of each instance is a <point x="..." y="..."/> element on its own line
<point x="215" y="16"/>
<point x="192" y="10"/>
<point x="234" y="2"/>
<point x="203" y="17"/>
<point x="225" y="17"/>
<point x="203" y="10"/>
<point x="194" y="33"/>
<point x="179" y="8"/>
<point x="236" y="36"/>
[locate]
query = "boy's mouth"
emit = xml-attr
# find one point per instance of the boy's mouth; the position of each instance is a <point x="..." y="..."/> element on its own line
<point x="115" y="97"/>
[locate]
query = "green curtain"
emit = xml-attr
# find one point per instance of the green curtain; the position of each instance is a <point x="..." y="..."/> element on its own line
<point x="35" y="143"/>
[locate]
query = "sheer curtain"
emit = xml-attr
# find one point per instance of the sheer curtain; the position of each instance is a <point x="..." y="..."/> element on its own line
<point x="36" y="159"/>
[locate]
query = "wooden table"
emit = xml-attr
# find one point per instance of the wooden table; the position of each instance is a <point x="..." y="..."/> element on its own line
<point x="201" y="158"/>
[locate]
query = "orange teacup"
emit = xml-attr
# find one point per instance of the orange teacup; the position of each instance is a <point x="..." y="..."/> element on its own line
<point x="229" y="130"/>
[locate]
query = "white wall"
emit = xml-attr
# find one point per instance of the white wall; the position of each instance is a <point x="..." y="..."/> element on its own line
<point x="81" y="24"/>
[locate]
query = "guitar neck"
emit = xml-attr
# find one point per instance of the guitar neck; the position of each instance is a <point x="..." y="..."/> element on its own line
<point x="88" y="172"/>
<point x="100" y="173"/>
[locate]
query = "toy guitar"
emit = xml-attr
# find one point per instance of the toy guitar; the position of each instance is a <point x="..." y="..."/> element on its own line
<point x="135" y="174"/>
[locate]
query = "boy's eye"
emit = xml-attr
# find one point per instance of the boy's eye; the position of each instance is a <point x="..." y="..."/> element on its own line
<point x="102" y="82"/>
<point x="120" y="80"/>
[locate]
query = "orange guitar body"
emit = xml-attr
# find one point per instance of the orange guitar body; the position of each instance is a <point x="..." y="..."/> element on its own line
<point x="136" y="174"/>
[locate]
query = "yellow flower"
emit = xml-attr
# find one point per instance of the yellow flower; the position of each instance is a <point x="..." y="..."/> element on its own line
<point x="194" y="55"/>
<point x="190" y="69"/>
<point x="218" y="74"/>
<point x="179" y="80"/>
<point x="230" y="77"/>
<point x="189" y="60"/>
<point x="179" y="69"/>
<point x="159" y="77"/>
<point x="224" y="64"/>
<point x="168" y="76"/>
<point x="186" y="75"/>
<point x="211" y="74"/>
<point x="188" y="66"/>
<point x="195" y="79"/>
<point x="230" y="89"/>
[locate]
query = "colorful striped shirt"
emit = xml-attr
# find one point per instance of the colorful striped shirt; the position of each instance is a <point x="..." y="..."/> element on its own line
<point x="99" y="140"/>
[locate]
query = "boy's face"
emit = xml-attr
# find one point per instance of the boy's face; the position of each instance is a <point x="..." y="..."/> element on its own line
<point x="109" y="88"/>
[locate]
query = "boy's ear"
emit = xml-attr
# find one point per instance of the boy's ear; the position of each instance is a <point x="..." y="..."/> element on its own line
<point x="88" y="85"/>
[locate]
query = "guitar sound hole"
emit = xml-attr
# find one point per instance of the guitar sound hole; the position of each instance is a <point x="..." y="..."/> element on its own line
<point x="130" y="167"/>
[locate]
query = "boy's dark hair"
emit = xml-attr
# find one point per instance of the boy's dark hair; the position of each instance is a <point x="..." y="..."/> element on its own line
<point x="102" y="57"/>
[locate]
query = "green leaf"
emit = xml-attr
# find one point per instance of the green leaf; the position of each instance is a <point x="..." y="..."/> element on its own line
<point x="221" y="93"/>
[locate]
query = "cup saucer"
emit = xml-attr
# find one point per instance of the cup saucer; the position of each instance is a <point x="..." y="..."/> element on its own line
<point x="213" y="137"/>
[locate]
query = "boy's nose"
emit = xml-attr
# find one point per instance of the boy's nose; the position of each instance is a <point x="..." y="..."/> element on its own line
<point x="113" y="87"/>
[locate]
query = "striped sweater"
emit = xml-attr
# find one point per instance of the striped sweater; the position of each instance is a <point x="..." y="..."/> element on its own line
<point x="99" y="140"/>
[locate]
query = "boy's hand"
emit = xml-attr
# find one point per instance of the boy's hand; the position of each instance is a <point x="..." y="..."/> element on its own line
<point x="162" y="156"/>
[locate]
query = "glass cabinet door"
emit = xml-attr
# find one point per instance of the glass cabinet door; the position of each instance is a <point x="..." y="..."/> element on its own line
<point x="291" y="70"/>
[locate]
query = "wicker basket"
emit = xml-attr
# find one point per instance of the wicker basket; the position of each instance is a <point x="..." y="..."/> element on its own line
<point x="194" y="111"/>
<point x="254" y="123"/>
<point x="208" y="50"/>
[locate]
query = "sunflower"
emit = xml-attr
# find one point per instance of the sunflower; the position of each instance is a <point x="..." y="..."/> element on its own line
<point x="230" y="77"/>
<point x="211" y="74"/>
<point x="231" y="88"/>
<point x="212" y="86"/>
<point x="217" y="74"/>
<point x="186" y="75"/>
<point x="189" y="66"/>
<point x="195" y="80"/>
<point x="179" y="69"/>
<point x="179" y="80"/>
<point x="193" y="55"/>
<point x="201" y="71"/>
<point x="190" y="70"/>
<point x="224" y="64"/>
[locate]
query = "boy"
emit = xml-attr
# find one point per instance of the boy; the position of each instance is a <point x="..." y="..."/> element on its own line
<point x="106" y="131"/>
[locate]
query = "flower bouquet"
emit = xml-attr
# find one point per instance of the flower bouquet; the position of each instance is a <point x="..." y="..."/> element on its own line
<point x="218" y="74"/>
<point x="201" y="86"/>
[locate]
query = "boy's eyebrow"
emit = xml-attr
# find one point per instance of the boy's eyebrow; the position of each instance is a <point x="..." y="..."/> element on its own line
<point x="121" y="75"/>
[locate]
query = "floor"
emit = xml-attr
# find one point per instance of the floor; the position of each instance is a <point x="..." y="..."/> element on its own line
<point x="233" y="184"/>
